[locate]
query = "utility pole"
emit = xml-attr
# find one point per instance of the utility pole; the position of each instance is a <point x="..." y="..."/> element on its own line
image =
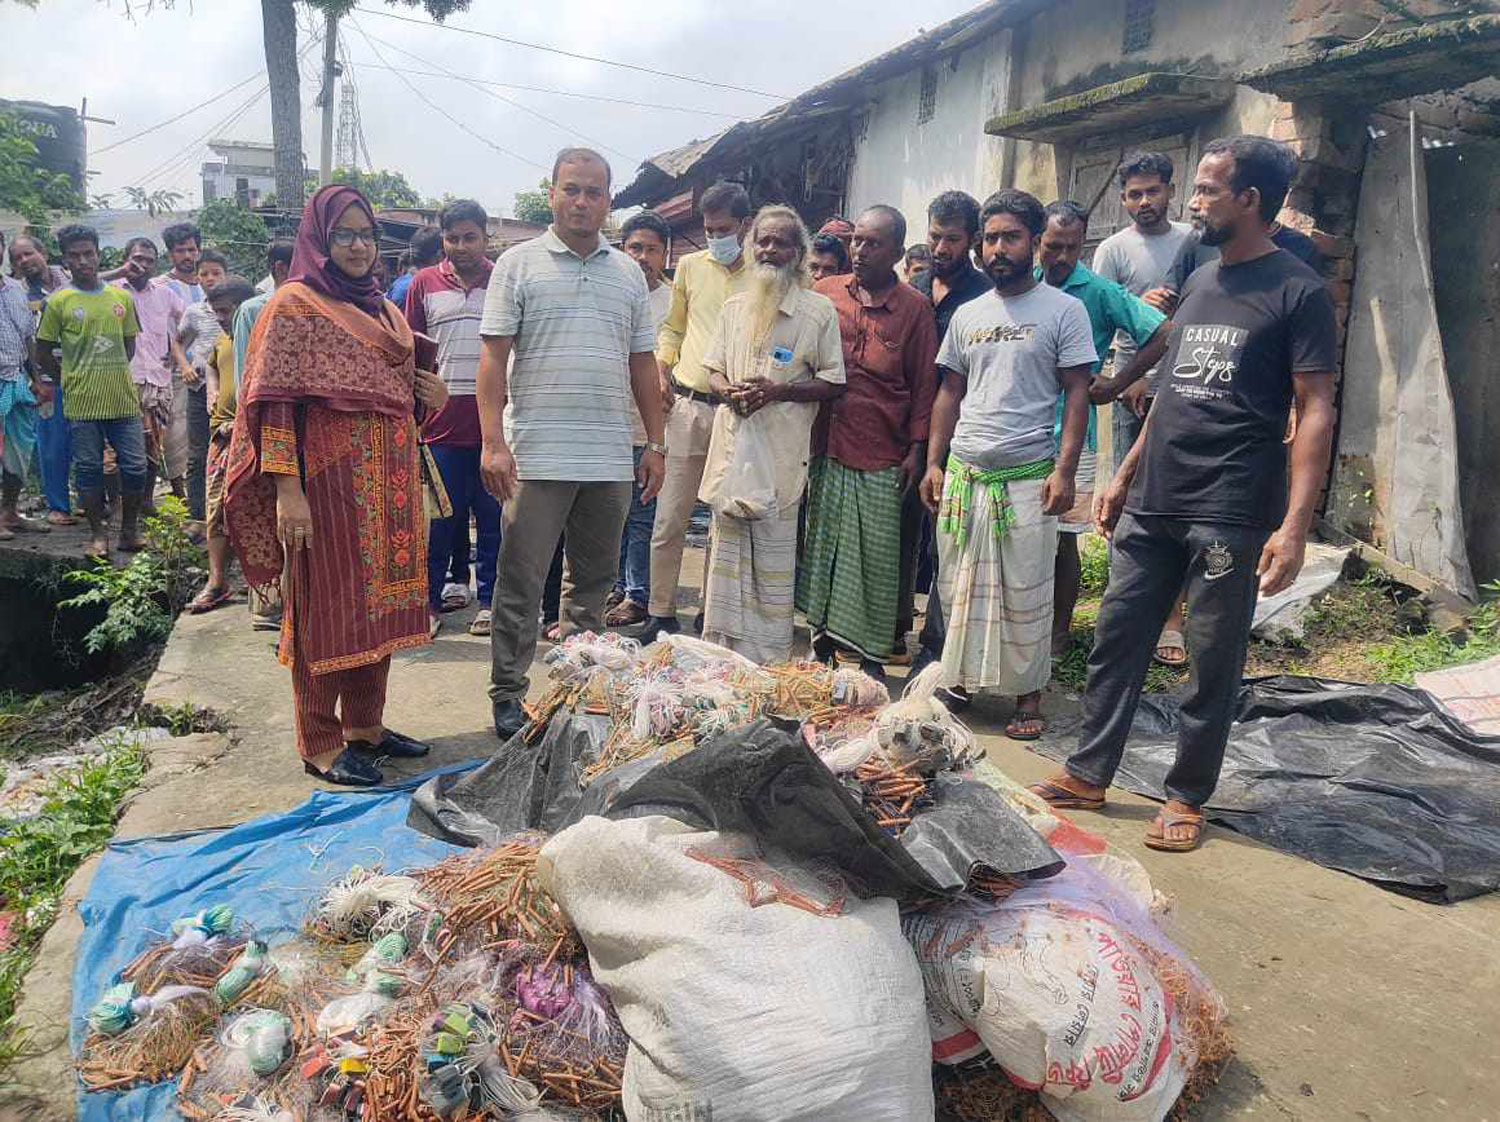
<point x="325" y="99"/>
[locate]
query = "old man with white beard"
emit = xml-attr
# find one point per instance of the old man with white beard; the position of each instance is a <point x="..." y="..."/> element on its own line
<point x="775" y="357"/>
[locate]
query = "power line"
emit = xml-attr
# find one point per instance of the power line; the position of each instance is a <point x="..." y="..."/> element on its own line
<point x="559" y="93"/>
<point x="572" y="132"/>
<point x="173" y="120"/>
<point x="185" y="156"/>
<point x="573" y="54"/>
<point x="189" y="151"/>
<point x="436" y="108"/>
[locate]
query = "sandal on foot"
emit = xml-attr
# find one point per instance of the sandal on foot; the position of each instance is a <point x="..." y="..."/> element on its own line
<point x="553" y="634"/>
<point x="1014" y="728"/>
<point x="1054" y="794"/>
<point x="1171" y="641"/>
<point x="58" y="518"/>
<point x="1166" y="820"/>
<point x="209" y="599"/>
<point x="482" y="623"/>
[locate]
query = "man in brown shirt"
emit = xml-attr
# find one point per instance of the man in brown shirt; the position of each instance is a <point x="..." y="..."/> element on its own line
<point x="868" y="448"/>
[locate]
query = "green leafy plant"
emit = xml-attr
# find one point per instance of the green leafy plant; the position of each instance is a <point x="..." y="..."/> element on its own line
<point x="39" y="854"/>
<point x="142" y="598"/>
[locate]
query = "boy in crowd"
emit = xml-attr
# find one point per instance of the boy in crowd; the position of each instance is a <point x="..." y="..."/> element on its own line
<point x="224" y="299"/>
<point x="265" y="612"/>
<point x="645" y="237"/>
<point x="95" y="327"/>
<point x="200" y="333"/>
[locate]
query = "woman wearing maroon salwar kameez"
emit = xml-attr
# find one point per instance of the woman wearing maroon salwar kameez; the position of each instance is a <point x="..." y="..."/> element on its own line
<point x="324" y="483"/>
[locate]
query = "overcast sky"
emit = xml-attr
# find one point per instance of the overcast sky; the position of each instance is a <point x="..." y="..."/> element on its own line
<point x="141" y="73"/>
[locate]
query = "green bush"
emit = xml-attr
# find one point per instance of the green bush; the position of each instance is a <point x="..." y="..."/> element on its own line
<point x="142" y="598"/>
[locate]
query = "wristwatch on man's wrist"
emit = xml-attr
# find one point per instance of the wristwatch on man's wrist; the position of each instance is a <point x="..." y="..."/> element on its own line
<point x="659" y="449"/>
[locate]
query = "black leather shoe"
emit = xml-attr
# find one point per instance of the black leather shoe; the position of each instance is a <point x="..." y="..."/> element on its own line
<point x="394" y="745"/>
<point x="509" y="718"/>
<point x="349" y="770"/>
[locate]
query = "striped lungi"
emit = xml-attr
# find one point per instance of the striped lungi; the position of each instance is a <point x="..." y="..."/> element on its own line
<point x="848" y="584"/>
<point x="997" y="594"/>
<point x="747" y="602"/>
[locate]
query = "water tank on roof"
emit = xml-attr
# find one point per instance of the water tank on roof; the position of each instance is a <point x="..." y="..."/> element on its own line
<point x="57" y="132"/>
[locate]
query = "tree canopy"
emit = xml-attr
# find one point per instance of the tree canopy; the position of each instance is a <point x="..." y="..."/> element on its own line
<point x="532" y="206"/>
<point x="239" y="234"/>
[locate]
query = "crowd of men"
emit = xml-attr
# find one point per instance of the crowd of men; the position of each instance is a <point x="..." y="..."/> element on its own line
<point x="854" y="433"/>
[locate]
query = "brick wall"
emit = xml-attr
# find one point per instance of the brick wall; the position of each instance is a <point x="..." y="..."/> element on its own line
<point x="1324" y="201"/>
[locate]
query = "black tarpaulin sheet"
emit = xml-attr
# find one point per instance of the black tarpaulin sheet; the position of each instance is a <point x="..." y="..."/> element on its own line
<point x="1374" y="780"/>
<point x="761" y="780"/>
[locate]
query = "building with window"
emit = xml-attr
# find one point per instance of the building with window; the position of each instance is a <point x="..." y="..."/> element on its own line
<point x="243" y="170"/>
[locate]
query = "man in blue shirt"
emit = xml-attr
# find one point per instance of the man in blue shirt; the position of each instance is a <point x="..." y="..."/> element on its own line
<point x="1111" y="308"/>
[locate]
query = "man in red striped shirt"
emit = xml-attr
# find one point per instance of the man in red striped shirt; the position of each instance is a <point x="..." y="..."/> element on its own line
<point x="446" y="301"/>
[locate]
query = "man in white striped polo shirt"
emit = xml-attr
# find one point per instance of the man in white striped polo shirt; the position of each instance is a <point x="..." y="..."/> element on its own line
<point x="446" y="301"/>
<point x="576" y="315"/>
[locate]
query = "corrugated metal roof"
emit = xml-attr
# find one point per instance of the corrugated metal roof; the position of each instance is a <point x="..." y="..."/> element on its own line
<point x="659" y="175"/>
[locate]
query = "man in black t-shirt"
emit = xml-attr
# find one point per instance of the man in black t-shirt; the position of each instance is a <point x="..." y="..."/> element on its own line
<point x="1204" y="495"/>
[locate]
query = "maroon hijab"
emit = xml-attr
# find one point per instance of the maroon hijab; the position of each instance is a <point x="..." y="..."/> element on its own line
<point x="311" y="264"/>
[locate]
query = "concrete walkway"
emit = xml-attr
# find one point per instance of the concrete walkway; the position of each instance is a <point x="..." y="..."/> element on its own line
<point x="1348" y="1002"/>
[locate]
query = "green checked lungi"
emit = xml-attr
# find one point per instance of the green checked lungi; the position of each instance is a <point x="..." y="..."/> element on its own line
<point x="848" y="585"/>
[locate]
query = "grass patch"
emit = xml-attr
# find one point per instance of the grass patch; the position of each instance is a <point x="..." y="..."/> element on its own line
<point x="1403" y="657"/>
<point x="38" y="855"/>
<point x="1093" y="562"/>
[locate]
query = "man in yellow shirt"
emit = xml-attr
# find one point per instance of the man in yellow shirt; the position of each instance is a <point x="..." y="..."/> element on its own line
<point x="704" y="280"/>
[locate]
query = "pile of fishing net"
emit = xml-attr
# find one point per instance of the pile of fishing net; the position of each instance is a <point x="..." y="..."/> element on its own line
<point x="667" y="699"/>
<point x="451" y="991"/>
<point x="797" y="875"/>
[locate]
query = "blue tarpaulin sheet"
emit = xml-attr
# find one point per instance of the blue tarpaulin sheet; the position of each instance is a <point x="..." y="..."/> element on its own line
<point x="269" y="870"/>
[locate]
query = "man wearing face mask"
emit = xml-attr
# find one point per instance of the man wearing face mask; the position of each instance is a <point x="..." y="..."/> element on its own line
<point x="704" y="281"/>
